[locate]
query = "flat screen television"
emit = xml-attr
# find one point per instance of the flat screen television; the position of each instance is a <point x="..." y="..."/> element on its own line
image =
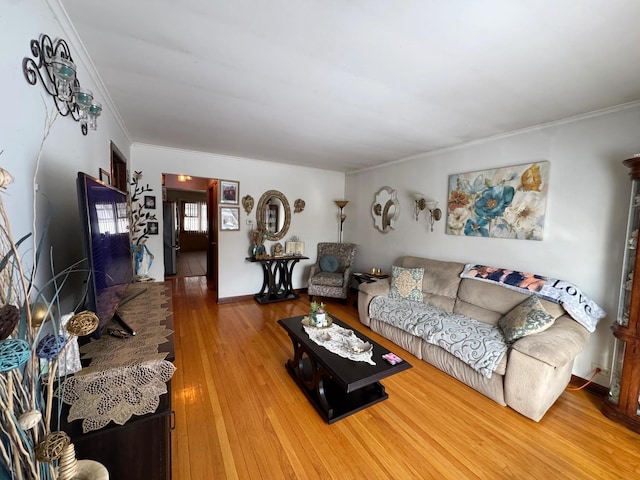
<point x="103" y="211"/>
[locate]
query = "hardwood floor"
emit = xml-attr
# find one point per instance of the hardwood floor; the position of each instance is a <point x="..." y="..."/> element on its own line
<point x="240" y="416"/>
<point x="191" y="264"/>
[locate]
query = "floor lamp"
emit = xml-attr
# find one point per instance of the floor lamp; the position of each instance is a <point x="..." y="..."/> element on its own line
<point x="341" y="204"/>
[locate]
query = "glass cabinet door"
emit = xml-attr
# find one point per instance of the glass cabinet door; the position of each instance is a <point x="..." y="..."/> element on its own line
<point x="616" y="371"/>
<point x="631" y="248"/>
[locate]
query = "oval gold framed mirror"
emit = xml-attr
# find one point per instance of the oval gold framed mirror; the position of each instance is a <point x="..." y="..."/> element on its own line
<point x="273" y="214"/>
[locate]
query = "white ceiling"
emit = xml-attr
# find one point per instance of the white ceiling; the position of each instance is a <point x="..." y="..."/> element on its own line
<point x="348" y="84"/>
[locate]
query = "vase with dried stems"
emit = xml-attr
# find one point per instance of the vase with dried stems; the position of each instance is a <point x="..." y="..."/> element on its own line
<point x="32" y="339"/>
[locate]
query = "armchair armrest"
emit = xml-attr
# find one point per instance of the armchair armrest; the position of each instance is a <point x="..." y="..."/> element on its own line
<point x="315" y="268"/>
<point x="346" y="275"/>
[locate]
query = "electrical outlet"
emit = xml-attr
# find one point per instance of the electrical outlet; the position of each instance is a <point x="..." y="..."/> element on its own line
<point x="603" y="370"/>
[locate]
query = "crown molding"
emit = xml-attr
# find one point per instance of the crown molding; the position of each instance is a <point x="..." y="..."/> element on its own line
<point x="480" y="141"/>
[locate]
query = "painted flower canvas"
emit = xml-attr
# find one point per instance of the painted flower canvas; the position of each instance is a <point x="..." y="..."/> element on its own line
<point x="506" y="202"/>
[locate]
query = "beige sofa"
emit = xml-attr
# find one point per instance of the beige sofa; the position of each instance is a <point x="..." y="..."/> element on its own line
<point x="536" y="369"/>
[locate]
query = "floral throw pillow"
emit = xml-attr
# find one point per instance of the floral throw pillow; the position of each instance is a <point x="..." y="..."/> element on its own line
<point x="525" y="319"/>
<point x="406" y="283"/>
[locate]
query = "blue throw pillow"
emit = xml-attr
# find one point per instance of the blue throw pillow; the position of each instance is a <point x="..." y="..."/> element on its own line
<point x="329" y="263"/>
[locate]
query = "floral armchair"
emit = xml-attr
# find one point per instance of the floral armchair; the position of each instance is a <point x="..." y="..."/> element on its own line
<point x="330" y="275"/>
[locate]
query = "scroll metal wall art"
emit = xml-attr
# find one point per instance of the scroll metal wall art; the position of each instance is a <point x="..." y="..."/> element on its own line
<point x="53" y="65"/>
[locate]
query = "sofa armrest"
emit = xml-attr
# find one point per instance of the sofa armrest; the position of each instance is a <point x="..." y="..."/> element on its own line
<point x="366" y="293"/>
<point x="379" y="287"/>
<point x="539" y="367"/>
<point x="557" y="345"/>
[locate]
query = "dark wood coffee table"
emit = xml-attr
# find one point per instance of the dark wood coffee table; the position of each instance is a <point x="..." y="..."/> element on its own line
<point x="336" y="386"/>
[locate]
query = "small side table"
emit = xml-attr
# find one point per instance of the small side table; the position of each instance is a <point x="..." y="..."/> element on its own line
<point x="277" y="276"/>
<point x="360" y="278"/>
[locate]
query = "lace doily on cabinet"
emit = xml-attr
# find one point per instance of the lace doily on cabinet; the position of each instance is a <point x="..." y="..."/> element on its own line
<point x="338" y="340"/>
<point x="116" y="394"/>
<point x="126" y="376"/>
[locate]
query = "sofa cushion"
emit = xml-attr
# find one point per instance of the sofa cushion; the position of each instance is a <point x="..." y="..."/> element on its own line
<point x="406" y="283"/>
<point x="478" y="344"/>
<point x="489" y="296"/>
<point x="525" y="319"/>
<point x="441" y="278"/>
<point x="329" y="263"/>
<point x="479" y="313"/>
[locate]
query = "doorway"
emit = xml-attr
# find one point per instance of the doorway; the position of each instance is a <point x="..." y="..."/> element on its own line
<point x="119" y="174"/>
<point x="190" y="227"/>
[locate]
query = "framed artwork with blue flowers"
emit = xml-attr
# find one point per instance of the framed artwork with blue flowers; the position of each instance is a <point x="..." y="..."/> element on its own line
<point x="506" y="202"/>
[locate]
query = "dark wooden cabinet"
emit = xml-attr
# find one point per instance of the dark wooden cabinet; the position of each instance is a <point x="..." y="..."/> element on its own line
<point x="138" y="450"/>
<point x="141" y="448"/>
<point x="623" y="401"/>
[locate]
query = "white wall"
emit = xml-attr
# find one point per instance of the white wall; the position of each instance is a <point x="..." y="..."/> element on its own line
<point x="586" y="209"/>
<point x="317" y="223"/>
<point x="66" y="151"/>
<point x="586" y="213"/>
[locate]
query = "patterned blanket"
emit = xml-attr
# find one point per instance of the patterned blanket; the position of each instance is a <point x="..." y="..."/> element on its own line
<point x="581" y="308"/>
<point x="480" y="345"/>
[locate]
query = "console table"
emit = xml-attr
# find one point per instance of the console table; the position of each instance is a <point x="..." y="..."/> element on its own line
<point x="277" y="278"/>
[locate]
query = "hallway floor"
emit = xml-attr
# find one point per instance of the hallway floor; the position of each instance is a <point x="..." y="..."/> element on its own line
<point x="191" y="264"/>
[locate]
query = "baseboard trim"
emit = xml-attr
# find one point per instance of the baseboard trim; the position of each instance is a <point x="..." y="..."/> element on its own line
<point x="594" y="388"/>
<point x="242" y="298"/>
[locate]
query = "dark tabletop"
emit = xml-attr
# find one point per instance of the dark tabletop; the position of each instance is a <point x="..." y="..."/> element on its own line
<point x="350" y="374"/>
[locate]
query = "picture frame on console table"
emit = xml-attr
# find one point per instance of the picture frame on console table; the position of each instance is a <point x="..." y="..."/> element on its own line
<point x="294" y="248"/>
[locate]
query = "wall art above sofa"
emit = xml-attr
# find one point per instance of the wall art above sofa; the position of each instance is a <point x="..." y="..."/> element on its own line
<point x="507" y="202"/>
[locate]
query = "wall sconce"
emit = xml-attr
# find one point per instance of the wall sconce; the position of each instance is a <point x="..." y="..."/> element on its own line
<point x="341" y="204"/>
<point x="435" y="213"/>
<point x="57" y="72"/>
<point x="420" y="203"/>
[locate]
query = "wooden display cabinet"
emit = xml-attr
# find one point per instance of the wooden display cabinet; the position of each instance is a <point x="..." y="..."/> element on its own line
<point x="141" y="448"/>
<point x="623" y="401"/>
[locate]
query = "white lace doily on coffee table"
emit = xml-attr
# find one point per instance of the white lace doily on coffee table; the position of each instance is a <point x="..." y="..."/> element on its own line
<point x="338" y="340"/>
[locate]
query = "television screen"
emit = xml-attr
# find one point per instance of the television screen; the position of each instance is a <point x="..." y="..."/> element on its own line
<point x="107" y="246"/>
